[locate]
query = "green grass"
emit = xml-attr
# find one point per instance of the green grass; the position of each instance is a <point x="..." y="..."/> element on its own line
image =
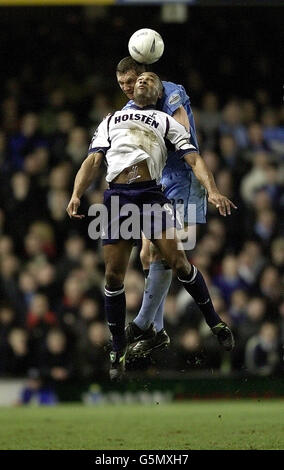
<point x="238" y="424"/>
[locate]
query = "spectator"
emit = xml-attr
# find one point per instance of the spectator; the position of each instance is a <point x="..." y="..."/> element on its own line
<point x="77" y="145"/>
<point x="209" y="117"/>
<point x="101" y="107"/>
<point x="56" y="103"/>
<point x="27" y="289"/>
<point x="262" y="355"/>
<point x="277" y="253"/>
<point x="189" y="351"/>
<point x="250" y="262"/>
<point x="238" y="303"/>
<point x="256" y="178"/>
<point x="26" y="203"/>
<point x="65" y="122"/>
<point x="229" y="280"/>
<point x="232" y="123"/>
<point x="255" y="315"/>
<point x="55" y="360"/>
<point x="69" y="305"/>
<point x="7" y="322"/>
<point x="90" y="311"/>
<point x="256" y="141"/>
<point x="26" y="141"/>
<point x="74" y="247"/>
<point x="270" y="284"/>
<point x="93" y="361"/>
<point x="39" y="321"/>
<point x="17" y="359"/>
<point x="9" y="268"/>
<point x="265" y="225"/>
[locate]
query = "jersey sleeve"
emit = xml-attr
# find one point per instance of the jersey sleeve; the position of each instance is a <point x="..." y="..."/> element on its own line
<point x="179" y="137"/>
<point x="174" y="97"/>
<point x="101" y="140"/>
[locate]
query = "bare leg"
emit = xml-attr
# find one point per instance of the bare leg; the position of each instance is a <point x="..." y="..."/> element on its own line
<point x="168" y="246"/>
<point x="116" y="258"/>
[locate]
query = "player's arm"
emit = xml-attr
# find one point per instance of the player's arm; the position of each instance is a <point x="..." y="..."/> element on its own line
<point x="206" y="178"/>
<point x="180" y="115"/>
<point x="83" y="179"/>
<point x="181" y="139"/>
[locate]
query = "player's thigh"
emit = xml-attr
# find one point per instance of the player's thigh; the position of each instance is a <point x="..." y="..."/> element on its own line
<point x="149" y="253"/>
<point x="145" y="252"/>
<point x="171" y="249"/>
<point x="188" y="236"/>
<point x="155" y="253"/>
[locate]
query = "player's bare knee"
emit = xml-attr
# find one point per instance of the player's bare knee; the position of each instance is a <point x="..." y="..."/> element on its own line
<point x="181" y="266"/>
<point x="113" y="278"/>
<point x="155" y="254"/>
<point x="145" y="258"/>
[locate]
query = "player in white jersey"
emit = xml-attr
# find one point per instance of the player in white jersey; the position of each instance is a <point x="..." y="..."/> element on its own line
<point x="133" y="162"/>
<point x="130" y="136"/>
<point x="181" y="186"/>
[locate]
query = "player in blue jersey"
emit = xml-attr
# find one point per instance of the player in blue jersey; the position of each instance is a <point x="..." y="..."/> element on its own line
<point x="146" y="332"/>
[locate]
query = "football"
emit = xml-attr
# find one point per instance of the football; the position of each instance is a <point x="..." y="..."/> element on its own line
<point x="146" y="46"/>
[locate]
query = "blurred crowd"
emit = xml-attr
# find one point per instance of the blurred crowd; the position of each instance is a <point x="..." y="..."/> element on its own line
<point x="52" y="325"/>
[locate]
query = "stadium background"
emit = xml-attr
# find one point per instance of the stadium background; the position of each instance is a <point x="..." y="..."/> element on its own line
<point x="58" y="82"/>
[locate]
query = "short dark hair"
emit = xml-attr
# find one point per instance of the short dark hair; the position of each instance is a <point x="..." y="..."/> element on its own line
<point x="128" y="63"/>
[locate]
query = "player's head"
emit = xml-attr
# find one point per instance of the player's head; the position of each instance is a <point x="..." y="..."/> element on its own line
<point x="127" y="71"/>
<point x="148" y="88"/>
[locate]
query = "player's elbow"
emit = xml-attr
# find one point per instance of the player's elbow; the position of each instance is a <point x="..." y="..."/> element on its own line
<point x="191" y="159"/>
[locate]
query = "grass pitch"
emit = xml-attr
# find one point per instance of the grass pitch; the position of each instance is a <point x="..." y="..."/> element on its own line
<point x="239" y="424"/>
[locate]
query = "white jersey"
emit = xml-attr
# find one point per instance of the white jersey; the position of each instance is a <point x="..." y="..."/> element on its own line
<point x="130" y="136"/>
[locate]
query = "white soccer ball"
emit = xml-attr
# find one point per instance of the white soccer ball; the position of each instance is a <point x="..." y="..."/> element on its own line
<point x="146" y="46"/>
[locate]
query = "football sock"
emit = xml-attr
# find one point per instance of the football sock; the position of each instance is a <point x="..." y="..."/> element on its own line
<point x="159" y="317"/>
<point x="156" y="288"/>
<point x="115" y="311"/>
<point x="195" y="285"/>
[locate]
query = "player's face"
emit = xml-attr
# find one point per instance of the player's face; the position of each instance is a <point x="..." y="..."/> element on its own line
<point x="148" y="87"/>
<point x="127" y="82"/>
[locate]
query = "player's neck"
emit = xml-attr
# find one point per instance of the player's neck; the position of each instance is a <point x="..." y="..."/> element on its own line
<point x="144" y="104"/>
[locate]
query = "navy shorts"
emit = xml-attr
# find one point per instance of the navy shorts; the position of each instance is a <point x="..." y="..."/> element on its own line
<point x="135" y="208"/>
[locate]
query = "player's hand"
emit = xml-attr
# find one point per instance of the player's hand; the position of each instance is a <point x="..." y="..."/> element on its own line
<point x="222" y="203"/>
<point x="72" y="208"/>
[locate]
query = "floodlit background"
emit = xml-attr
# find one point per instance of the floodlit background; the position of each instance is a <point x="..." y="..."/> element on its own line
<point x="57" y="83"/>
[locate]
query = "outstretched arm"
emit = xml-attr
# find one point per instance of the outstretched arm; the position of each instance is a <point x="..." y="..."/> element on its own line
<point x="206" y="178"/>
<point x="83" y="180"/>
<point x="180" y="115"/>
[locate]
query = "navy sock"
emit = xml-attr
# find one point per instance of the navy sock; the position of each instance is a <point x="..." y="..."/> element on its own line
<point x="195" y="285"/>
<point x="115" y="311"/>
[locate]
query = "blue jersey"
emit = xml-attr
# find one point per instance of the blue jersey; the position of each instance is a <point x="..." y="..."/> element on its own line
<point x="178" y="179"/>
<point x="173" y="97"/>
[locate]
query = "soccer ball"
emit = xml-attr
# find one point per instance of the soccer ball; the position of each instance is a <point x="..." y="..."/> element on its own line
<point x="146" y="46"/>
